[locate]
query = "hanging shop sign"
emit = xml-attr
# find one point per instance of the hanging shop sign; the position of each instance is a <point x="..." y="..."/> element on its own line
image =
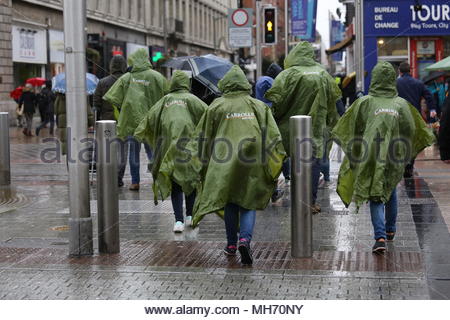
<point x="303" y="19"/>
<point x="29" y="45"/>
<point x="56" y="46"/>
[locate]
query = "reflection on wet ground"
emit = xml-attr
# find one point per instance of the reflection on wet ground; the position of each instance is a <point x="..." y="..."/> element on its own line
<point x="433" y="236"/>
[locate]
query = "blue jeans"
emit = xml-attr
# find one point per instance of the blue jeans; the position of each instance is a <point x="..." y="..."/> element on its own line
<point x="325" y="167"/>
<point x="238" y="220"/>
<point x="315" y="178"/>
<point x="134" y="158"/>
<point x="177" y="202"/>
<point x="384" y="222"/>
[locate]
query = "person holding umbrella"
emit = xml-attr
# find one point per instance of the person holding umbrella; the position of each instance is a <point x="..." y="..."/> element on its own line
<point x="28" y="101"/>
<point x="46" y="99"/>
<point x="167" y="126"/>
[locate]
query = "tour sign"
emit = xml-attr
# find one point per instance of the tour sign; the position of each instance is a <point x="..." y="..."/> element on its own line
<point x="403" y="18"/>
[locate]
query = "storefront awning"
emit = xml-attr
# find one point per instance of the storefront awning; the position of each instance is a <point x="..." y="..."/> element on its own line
<point x="340" y="46"/>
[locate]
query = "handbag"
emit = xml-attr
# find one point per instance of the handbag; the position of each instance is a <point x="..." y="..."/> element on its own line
<point x="19" y="111"/>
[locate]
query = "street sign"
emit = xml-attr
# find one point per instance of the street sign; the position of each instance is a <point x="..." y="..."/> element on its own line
<point x="240" y="27"/>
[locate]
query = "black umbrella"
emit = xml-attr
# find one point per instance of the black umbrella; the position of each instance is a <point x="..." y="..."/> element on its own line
<point x="179" y="63"/>
<point x="433" y="76"/>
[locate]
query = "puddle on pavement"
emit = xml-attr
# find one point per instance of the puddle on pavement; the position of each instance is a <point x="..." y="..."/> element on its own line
<point x="10" y="199"/>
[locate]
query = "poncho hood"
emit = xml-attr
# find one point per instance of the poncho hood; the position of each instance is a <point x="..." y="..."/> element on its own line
<point x="302" y="55"/>
<point x="180" y="82"/>
<point x="234" y="81"/>
<point x="118" y="64"/>
<point x="383" y="82"/>
<point x="140" y="61"/>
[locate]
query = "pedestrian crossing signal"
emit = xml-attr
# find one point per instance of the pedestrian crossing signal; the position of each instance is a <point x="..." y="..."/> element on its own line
<point x="270" y="27"/>
<point x="158" y="55"/>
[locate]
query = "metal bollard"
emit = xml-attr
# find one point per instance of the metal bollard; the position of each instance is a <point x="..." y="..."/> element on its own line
<point x="301" y="186"/>
<point x="5" y="163"/>
<point x="107" y="188"/>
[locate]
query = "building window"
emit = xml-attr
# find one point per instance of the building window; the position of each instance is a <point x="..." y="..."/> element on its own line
<point x="389" y="46"/>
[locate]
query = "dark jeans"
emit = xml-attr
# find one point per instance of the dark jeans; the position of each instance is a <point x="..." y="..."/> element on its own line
<point x="315" y="178"/>
<point x="135" y="150"/>
<point x="29" y="119"/>
<point x="286" y="168"/>
<point x="177" y="202"/>
<point x="49" y="118"/>
<point x="238" y="220"/>
<point x="123" y="156"/>
<point x="325" y="167"/>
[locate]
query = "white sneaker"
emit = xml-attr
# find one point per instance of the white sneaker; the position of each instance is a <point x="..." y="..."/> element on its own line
<point x="188" y="221"/>
<point x="178" y="227"/>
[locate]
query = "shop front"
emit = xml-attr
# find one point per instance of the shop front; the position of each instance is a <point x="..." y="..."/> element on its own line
<point x="29" y="50"/>
<point x="400" y="30"/>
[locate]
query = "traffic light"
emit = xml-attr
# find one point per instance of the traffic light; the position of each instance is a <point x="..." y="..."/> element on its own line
<point x="270" y="25"/>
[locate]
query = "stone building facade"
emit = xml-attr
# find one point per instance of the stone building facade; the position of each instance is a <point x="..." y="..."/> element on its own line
<point x="32" y="43"/>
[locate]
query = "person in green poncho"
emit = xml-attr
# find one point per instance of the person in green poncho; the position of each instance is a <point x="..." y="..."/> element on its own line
<point x="134" y="94"/>
<point x="306" y="88"/>
<point x="168" y="126"/>
<point x="380" y="133"/>
<point x="238" y="154"/>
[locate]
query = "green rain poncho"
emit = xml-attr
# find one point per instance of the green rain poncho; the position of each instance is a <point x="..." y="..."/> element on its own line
<point x="240" y="150"/>
<point x="136" y="92"/>
<point x="305" y="88"/>
<point x="167" y="128"/>
<point x="380" y="133"/>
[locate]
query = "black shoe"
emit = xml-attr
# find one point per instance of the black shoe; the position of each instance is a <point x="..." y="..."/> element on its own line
<point x="37" y="131"/>
<point x="120" y="184"/>
<point x="390" y="237"/>
<point x="230" y="250"/>
<point x="379" y="247"/>
<point x="277" y="195"/>
<point x="246" y="252"/>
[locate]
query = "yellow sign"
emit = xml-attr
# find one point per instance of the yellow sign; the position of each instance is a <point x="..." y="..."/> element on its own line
<point x="269" y="26"/>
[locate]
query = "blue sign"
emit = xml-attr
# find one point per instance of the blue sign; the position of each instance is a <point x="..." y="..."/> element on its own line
<point x="398" y="18"/>
<point x="303" y="19"/>
<point x="336" y="36"/>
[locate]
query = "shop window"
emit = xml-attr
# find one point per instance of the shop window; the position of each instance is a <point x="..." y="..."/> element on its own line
<point x="389" y="46"/>
<point x="446" y="46"/>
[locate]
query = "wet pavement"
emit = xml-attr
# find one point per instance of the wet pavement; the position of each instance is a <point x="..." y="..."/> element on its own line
<point x="156" y="263"/>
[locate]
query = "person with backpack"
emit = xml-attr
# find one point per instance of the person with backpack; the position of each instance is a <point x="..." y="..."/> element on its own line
<point x="46" y="101"/>
<point x="306" y="88"/>
<point x="379" y="134"/>
<point x="238" y="154"/>
<point x="167" y="127"/>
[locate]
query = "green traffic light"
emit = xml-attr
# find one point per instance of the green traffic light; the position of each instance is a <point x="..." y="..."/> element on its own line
<point x="157" y="56"/>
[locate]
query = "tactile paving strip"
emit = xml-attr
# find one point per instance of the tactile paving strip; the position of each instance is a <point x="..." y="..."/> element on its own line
<point x="208" y="254"/>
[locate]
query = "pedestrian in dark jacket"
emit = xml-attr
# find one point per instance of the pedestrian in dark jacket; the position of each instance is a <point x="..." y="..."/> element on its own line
<point x="47" y="98"/>
<point x="413" y="90"/>
<point x="444" y="132"/>
<point x="117" y="68"/>
<point x="28" y="100"/>
<point x="105" y="111"/>
<point x="263" y="84"/>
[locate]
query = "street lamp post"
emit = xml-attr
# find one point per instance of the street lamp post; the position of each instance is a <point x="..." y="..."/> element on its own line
<point x="80" y="221"/>
<point x="359" y="45"/>
<point x="258" y="40"/>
